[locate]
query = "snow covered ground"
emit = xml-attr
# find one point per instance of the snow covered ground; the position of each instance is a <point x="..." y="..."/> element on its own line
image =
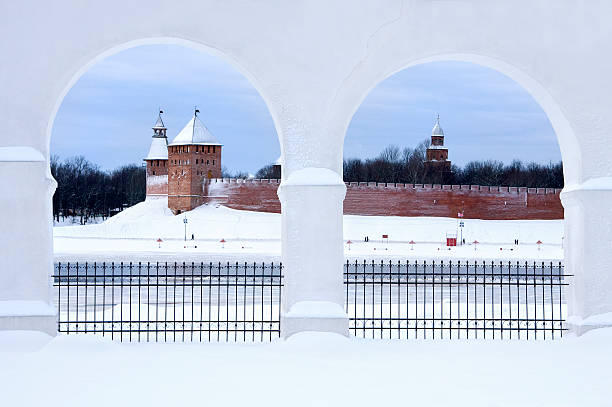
<point x="76" y="220"/>
<point x="309" y="369"/>
<point x="255" y="236"/>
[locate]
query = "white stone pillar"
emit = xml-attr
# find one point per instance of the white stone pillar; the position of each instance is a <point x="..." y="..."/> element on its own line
<point x="313" y="295"/>
<point x="588" y="253"/>
<point x="26" y="241"/>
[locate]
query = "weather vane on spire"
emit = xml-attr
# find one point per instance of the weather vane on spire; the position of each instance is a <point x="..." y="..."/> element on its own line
<point x="196" y="111"/>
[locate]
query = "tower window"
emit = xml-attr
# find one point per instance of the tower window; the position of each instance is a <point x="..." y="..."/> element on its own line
<point x="213" y="162"/>
<point x="206" y="162"/>
<point x="153" y="172"/>
<point x="213" y="149"/>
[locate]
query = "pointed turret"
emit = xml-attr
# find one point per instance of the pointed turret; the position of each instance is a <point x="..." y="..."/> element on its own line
<point x="159" y="130"/>
<point x="157" y="161"/>
<point x="437" y="155"/>
<point x="437" y="130"/>
<point x="159" y="144"/>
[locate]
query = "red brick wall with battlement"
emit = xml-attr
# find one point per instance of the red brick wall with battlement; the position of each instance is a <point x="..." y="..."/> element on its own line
<point x="370" y="198"/>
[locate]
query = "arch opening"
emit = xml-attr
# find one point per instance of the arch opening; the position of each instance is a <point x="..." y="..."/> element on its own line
<point x="568" y="144"/>
<point x="499" y="177"/>
<point x="194" y="207"/>
<point x="414" y="210"/>
<point x="232" y="110"/>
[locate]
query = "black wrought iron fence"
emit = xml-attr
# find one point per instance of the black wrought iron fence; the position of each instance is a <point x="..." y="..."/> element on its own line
<point x="170" y="301"/>
<point x="513" y="300"/>
<point x="241" y="301"/>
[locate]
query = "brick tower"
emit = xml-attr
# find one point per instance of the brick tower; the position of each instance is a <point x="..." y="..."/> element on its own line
<point x="194" y="157"/>
<point x="157" y="161"/>
<point x="436" y="160"/>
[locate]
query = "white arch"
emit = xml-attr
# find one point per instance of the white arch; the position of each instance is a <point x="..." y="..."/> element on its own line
<point x="313" y="72"/>
<point x="570" y="148"/>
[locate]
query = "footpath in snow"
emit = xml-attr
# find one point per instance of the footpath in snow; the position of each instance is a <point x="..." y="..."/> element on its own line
<point x="255" y="236"/>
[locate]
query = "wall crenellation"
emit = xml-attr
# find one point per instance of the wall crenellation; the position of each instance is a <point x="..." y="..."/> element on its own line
<point x="398" y="199"/>
<point x="391" y="185"/>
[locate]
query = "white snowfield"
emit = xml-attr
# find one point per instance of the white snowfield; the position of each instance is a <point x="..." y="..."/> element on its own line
<point x="308" y="369"/>
<point x="255" y="236"/>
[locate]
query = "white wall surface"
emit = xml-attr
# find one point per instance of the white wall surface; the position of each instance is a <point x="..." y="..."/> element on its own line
<point x="314" y="62"/>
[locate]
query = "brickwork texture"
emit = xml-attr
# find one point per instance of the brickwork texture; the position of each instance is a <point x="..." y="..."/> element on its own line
<point x="475" y="202"/>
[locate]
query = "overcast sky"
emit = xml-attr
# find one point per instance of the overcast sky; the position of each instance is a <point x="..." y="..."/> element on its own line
<point x="107" y="116"/>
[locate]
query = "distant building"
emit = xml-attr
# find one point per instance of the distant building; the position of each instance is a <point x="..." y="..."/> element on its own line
<point x="190" y="160"/>
<point x="436" y="158"/>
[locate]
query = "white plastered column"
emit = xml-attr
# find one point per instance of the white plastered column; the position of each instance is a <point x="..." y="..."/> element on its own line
<point x="588" y="244"/>
<point x="25" y="241"/>
<point x="313" y="297"/>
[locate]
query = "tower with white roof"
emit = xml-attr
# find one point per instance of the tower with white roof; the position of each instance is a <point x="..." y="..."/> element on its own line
<point x="194" y="157"/>
<point x="157" y="161"/>
<point x="436" y="158"/>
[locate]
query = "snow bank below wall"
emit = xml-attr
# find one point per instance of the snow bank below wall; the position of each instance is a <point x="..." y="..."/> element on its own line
<point x="152" y="219"/>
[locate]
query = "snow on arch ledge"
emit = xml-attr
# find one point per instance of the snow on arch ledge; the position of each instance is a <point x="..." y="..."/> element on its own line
<point x="20" y="154"/>
<point x="314" y="177"/>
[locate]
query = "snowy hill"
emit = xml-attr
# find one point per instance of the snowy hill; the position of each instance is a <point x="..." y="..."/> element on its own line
<point x="136" y="229"/>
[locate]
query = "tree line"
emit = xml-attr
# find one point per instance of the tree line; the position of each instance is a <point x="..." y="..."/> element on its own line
<point x="395" y="165"/>
<point x="86" y="191"/>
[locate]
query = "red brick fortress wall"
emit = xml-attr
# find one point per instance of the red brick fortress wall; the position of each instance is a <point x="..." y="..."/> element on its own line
<point x="250" y="195"/>
<point x="476" y="202"/>
<point x="370" y="198"/>
<point x="157" y="177"/>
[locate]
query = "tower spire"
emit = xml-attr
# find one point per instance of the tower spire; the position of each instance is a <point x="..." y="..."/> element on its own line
<point x="159" y="129"/>
<point x="437" y="129"/>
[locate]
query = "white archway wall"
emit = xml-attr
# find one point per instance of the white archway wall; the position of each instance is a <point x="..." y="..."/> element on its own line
<point x="306" y="82"/>
<point x="313" y="62"/>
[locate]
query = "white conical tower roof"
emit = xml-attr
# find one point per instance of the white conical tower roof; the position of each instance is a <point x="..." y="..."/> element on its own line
<point x="437" y="130"/>
<point x="159" y="144"/>
<point x="158" y="149"/>
<point x="195" y="132"/>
